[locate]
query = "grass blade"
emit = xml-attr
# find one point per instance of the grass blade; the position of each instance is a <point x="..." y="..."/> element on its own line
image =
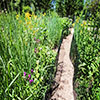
<point x="11" y="83"/>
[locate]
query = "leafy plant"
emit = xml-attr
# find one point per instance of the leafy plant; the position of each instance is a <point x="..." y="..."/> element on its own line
<point x="87" y="41"/>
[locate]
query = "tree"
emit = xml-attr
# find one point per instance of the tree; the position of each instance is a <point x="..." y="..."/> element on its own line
<point x="68" y="7"/>
<point x="41" y="5"/>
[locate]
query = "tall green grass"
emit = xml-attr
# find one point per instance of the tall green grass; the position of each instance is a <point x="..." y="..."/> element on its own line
<point x="87" y="37"/>
<point x="26" y="43"/>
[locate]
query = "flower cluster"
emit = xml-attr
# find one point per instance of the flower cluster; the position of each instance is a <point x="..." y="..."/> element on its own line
<point x="17" y="16"/>
<point x="29" y="76"/>
<point x="37" y="40"/>
<point x="27" y="15"/>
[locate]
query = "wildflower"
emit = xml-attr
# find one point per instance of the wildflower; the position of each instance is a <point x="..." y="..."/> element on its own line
<point x="29" y="76"/>
<point x="73" y="24"/>
<point x="31" y="70"/>
<point x="30" y="81"/>
<point x="44" y="14"/>
<point x="27" y="15"/>
<point x="84" y="22"/>
<point x="37" y="41"/>
<point x="17" y="16"/>
<point x="34" y="38"/>
<point x="24" y="73"/>
<point x="81" y="24"/>
<point x="35" y="50"/>
<point x="28" y="23"/>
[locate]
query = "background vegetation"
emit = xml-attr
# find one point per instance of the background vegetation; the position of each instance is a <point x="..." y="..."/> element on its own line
<point x="69" y="7"/>
<point x="30" y="30"/>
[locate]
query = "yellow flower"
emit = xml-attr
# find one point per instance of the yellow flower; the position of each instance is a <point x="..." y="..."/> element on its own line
<point x="28" y="23"/>
<point x="73" y="24"/>
<point x="99" y="84"/>
<point x="44" y="14"/>
<point x="84" y="22"/>
<point x="81" y="24"/>
<point x="17" y="16"/>
<point x="27" y="15"/>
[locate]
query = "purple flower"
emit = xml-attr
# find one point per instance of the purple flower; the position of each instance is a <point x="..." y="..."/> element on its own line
<point x="30" y="81"/>
<point x="24" y="73"/>
<point x="35" y="50"/>
<point x="34" y="38"/>
<point x="29" y="76"/>
<point x="31" y="70"/>
<point x="37" y="40"/>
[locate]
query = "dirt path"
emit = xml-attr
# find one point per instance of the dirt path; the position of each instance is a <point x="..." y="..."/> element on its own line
<point x="65" y="72"/>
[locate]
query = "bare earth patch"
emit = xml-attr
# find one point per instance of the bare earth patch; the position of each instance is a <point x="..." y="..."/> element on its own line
<point x="65" y="72"/>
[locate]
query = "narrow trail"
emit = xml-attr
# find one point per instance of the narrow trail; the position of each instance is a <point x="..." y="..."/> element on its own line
<point x="65" y="72"/>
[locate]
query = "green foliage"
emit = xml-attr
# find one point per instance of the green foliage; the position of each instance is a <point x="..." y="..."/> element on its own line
<point x="94" y="7"/>
<point x="68" y="7"/>
<point x="42" y="5"/>
<point x="30" y="5"/>
<point x="26" y="43"/>
<point x="87" y="37"/>
<point x="92" y="10"/>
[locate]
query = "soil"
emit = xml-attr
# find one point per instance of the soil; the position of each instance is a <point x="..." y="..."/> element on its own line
<point x="65" y="72"/>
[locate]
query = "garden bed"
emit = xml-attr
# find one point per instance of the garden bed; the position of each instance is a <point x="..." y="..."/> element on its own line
<point x="86" y="61"/>
<point x="27" y="57"/>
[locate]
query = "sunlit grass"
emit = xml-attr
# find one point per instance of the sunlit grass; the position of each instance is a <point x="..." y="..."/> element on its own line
<point x="26" y="42"/>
